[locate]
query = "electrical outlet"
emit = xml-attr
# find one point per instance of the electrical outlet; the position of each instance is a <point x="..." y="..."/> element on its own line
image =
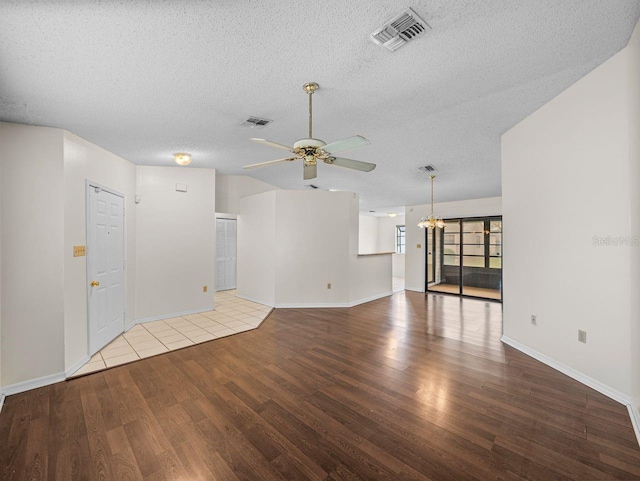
<point x="329" y="285"/>
<point x="534" y="320"/>
<point x="419" y="246"/>
<point x="204" y="288"/>
<point x="582" y="336"/>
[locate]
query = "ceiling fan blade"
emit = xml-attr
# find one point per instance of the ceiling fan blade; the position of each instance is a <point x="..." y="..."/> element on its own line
<point x="273" y="144"/>
<point x="351" y="164"/>
<point x="310" y="171"/>
<point x="271" y="162"/>
<point x="351" y="143"/>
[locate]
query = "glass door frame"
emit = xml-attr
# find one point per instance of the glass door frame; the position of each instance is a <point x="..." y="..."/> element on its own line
<point x="487" y="247"/>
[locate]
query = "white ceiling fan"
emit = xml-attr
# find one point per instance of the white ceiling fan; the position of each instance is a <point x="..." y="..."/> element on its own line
<point x="313" y="150"/>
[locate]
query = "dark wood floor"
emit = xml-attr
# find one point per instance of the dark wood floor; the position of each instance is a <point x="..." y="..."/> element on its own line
<point x="410" y="387"/>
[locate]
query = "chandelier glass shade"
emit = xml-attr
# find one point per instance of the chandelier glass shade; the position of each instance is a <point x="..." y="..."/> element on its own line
<point x="432" y="221"/>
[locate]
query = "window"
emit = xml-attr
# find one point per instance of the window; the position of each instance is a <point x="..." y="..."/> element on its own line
<point x="400" y="236"/>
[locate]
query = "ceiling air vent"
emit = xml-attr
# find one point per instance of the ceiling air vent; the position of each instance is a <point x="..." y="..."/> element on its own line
<point x="256" y="122"/>
<point x="427" y="168"/>
<point x="402" y="29"/>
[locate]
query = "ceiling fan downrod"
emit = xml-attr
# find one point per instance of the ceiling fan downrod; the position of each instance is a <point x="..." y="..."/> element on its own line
<point x="310" y="88"/>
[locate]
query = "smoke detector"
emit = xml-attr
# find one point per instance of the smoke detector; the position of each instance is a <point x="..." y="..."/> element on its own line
<point x="256" y="122"/>
<point x="400" y="30"/>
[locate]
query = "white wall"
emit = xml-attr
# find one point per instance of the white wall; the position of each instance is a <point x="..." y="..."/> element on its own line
<point x="387" y="242"/>
<point x="368" y="234"/>
<point x="256" y="237"/>
<point x="567" y="166"/>
<point x="1" y="394"/>
<point x="175" y="237"/>
<point x="415" y="256"/>
<point x="369" y="276"/>
<point x="231" y="188"/>
<point x="32" y="303"/>
<point x="85" y="161"/>
<point x="298" y="242"/>
<point x="387" y="232"/>
<point x="312" y="247"/>
<point x="633" y="53"/>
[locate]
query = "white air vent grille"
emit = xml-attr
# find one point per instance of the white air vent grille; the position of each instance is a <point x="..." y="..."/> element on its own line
<point x="427" y="168"/>
<point x="256" y="122"/>
<point x="402" y="29"/>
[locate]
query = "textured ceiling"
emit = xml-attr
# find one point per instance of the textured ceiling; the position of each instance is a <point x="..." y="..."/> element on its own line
<point x="145" y="79"/>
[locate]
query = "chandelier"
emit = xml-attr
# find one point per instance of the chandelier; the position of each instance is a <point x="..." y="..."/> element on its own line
<point x="431" y="222"/>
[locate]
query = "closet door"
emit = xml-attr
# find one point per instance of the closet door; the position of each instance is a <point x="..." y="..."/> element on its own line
<point x="226" y="254"/>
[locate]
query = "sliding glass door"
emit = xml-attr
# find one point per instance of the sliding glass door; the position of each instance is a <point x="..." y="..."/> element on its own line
<point x="465" y="258"/>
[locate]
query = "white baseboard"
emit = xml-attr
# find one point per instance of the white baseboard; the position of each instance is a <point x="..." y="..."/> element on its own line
<point x="586" y="380"/>
<point x="369" y="299"/>
<point x="635" y="419"/>
<point x="569" y="371"/>
<point x="413" y="290"/>
<point x="319" y="305"/>
<point x="312" y="305"/>
<point x="2" y="396"/>
<point x="166" y="316"/>
<point x="33" y="383"/>
<point x="77" y="366"/>
<point x="253" y="300"/>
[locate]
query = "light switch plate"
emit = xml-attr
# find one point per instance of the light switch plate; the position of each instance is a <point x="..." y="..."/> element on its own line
<point x="79" y="251"/>
<point x="181" y="187"/>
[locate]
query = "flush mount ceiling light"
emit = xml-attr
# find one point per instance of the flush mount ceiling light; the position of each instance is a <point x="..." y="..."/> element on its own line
<point x="182" y="158"/>
<point x="431" y="222"/>
<point x="392" y="214"/>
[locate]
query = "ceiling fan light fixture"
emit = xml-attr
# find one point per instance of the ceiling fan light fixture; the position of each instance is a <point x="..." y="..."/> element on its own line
<point x="182" y="158"/>
<point x="313" y="151"/>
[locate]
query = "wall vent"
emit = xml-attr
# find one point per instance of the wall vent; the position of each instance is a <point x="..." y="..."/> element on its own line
<point x="402" y="29"/>
<point x="256" y="122"/>
<point x="427" y="168"/>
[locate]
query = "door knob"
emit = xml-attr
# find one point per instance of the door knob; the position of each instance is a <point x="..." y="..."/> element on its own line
<point x="95" y="283"/>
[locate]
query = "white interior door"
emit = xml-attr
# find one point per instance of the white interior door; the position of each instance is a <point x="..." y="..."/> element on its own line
<point x="105" y="267"/>
<point x="225" y="254"/>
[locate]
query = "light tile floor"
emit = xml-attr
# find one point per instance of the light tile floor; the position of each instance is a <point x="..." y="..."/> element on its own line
<point x="231" y="316"/>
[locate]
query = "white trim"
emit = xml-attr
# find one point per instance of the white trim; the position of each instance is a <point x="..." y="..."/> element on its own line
<point x="614" y="394"/>
<point x="2" y="396"/>
<point x="635" y="419"/>
<point x="253" y="300"/>
<point x="77" y="366"/>
<point x="333" y="304"/>
<point x="569" y="371"/>
<point x="166" y="316"/>
<point x="414" y="290"/>
<point x="33" y="383"/>
<point x="372" y="298"/>
<point x="311" y="305"/>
